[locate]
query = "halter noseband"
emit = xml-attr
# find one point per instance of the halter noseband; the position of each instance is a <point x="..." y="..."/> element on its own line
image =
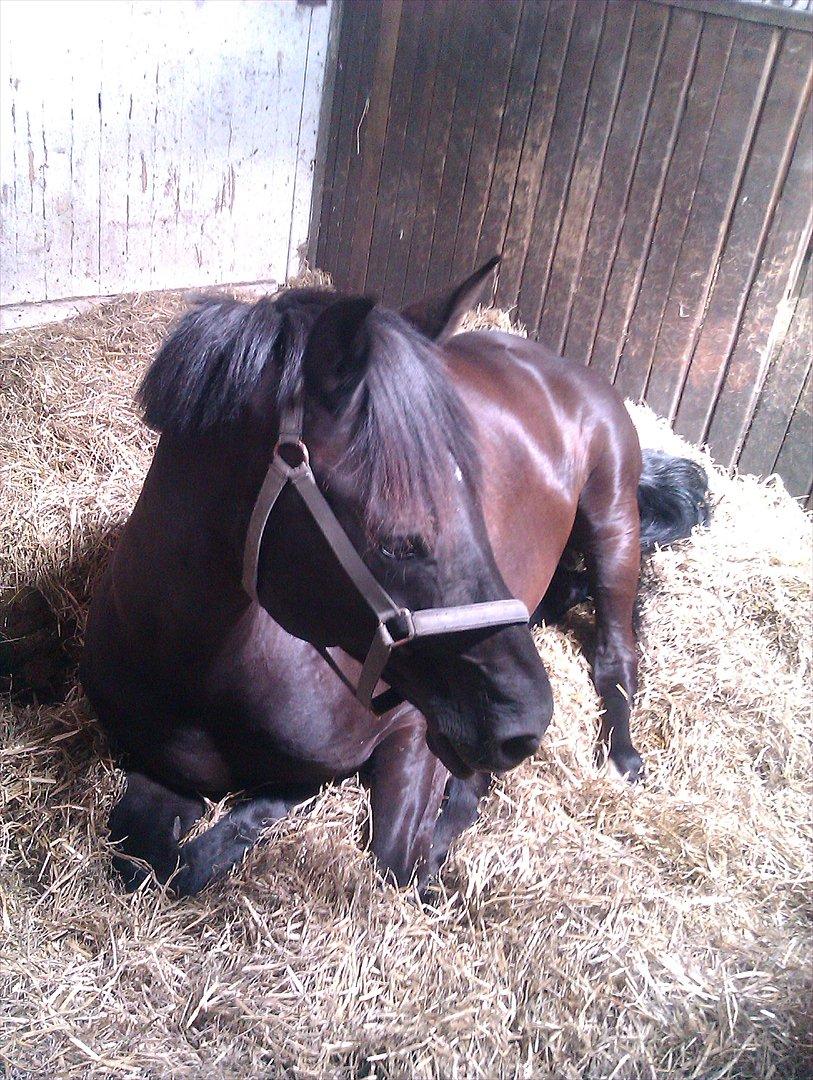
<point x="290" y="464"/>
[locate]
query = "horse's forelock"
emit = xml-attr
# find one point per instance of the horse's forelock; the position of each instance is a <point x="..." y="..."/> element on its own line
<point x="411" y="440"/>
<point x="410" y="434"/>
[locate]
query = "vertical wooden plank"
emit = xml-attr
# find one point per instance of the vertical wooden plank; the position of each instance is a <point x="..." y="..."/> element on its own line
<point x="767" y="164"/>
<point x="786" y="378"/>
<point x="607" y="220"/>
<point x="400" y="102"/>
<point x="765" y="310"/>
<point x="605" y="86"/>
<point x="735" y="118"/>
<point x="646" y="191"/>
<point x="324" y="138"/>
<point x="480" y="34"/>
<point x="555" y="47"/>
<point x="450" y="63"/>
<point x="678" y="193"/>
<point x="521" y="82"/>
<point x="375" y="128"/>
<point x="559" y="161"/>
<point x="305" y="171"/>
<point x="365" y="76"/>
<point x="434" y="29"/>
<point x="328" y="202"/>
<point x="495" y="76"/>
<point x="354" y="22"/>
<point x="795" y="461"/>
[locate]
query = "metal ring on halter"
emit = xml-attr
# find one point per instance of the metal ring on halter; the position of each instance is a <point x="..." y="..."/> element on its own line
<point x="299" y="446"/>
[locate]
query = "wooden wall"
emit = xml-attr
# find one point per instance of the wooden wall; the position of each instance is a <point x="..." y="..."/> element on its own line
<point x="643" y="167"/>
<point x="153" y="145"/>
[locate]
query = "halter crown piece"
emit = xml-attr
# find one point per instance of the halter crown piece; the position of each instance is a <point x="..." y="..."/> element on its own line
<point x="290" y="464"/>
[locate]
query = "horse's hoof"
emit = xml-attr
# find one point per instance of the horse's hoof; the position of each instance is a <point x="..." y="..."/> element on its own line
<point x="626" y="765"/>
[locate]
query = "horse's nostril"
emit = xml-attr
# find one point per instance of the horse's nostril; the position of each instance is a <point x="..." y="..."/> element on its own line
<point x="516" y="749"/>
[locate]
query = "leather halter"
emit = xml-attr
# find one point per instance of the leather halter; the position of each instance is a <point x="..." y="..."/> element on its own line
<point x="290" y="464"/>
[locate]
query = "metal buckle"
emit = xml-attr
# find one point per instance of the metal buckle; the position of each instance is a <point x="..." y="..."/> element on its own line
<point x="400" y="627"/>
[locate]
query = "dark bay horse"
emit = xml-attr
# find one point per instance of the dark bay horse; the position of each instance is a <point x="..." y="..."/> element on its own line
<point x="459" y="469"/>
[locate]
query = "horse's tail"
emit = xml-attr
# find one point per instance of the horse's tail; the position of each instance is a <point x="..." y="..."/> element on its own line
<point x="673" y="497"/>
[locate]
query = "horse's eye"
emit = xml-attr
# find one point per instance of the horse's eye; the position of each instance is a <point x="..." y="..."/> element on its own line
<point x="402" y="547"/>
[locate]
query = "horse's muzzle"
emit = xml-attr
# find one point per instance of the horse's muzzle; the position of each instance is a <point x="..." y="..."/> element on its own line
<point x="496" y="743"/>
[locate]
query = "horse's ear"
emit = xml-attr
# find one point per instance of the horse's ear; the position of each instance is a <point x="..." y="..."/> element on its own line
<point x="438" y="317"/>
<point x="337" y="352"/>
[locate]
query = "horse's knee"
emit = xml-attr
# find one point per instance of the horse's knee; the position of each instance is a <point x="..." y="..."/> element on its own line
<point x="146" y="825"/>
<point x="615" y="664"/>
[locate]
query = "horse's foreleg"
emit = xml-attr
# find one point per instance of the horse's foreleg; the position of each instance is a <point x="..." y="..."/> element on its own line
<point x="150" y="820"/>
<point x="612" y="555"/>
<point x="406" y="784"/>
<point x="461" y="805"/>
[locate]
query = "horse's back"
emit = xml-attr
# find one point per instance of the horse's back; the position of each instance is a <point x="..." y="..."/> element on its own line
<point x="571" y="412"/>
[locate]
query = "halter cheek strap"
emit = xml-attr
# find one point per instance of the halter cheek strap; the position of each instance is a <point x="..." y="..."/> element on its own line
<point x="290" y="464"/>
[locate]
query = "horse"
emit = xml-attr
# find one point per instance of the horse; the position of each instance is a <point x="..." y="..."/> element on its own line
<point x="343" y="495"/>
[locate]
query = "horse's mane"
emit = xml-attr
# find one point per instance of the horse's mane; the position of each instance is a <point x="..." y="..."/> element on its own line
<point x="410" y="438"/>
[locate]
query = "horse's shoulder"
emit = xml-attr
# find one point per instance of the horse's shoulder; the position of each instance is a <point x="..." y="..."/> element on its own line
<point x="575" y="393"/>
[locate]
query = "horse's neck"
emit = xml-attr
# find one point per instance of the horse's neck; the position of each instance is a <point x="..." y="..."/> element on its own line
<point x="182" y="546"/>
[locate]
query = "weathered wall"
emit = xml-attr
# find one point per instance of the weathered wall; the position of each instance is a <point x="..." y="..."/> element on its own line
<point x="155" y="145"/>
<point x="644" y="169"/>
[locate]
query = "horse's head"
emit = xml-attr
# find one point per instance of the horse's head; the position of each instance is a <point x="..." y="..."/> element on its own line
<point x="391" y="450"/>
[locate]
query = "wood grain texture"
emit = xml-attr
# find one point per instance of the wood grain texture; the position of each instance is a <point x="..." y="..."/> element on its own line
<point x="612" y="198"/>
<point x="351" y="108"/>
<point x="627" y="159"/>
<point x="400" y="105"/>
<point x="555" y="48"/>
<point x="605" y="86"/>
<point x="727" y="149"/>
<point x="795" y="461"/>
<point x="375" y="43"/>
<point x="479" y="30"/>
<point x="438" y="133"/>
<point x="503" y="27"/>
<point x="646" y="192"/>
<point x="374" y="126"/>
<point x="434" y="28"/>
<point x="675" y="206"/>
<point x="560" y="158"/>
<point x="787" y="377"/>
<point x="765" y="314"/>
<point x="515" y="117"/>
<point x="769" y="154"/>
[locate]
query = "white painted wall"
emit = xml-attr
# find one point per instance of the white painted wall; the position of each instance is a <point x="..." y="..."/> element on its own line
<point x="151" y="145"/>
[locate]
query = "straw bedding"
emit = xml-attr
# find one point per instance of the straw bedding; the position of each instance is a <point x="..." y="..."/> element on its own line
<point x="583" y="928"/>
